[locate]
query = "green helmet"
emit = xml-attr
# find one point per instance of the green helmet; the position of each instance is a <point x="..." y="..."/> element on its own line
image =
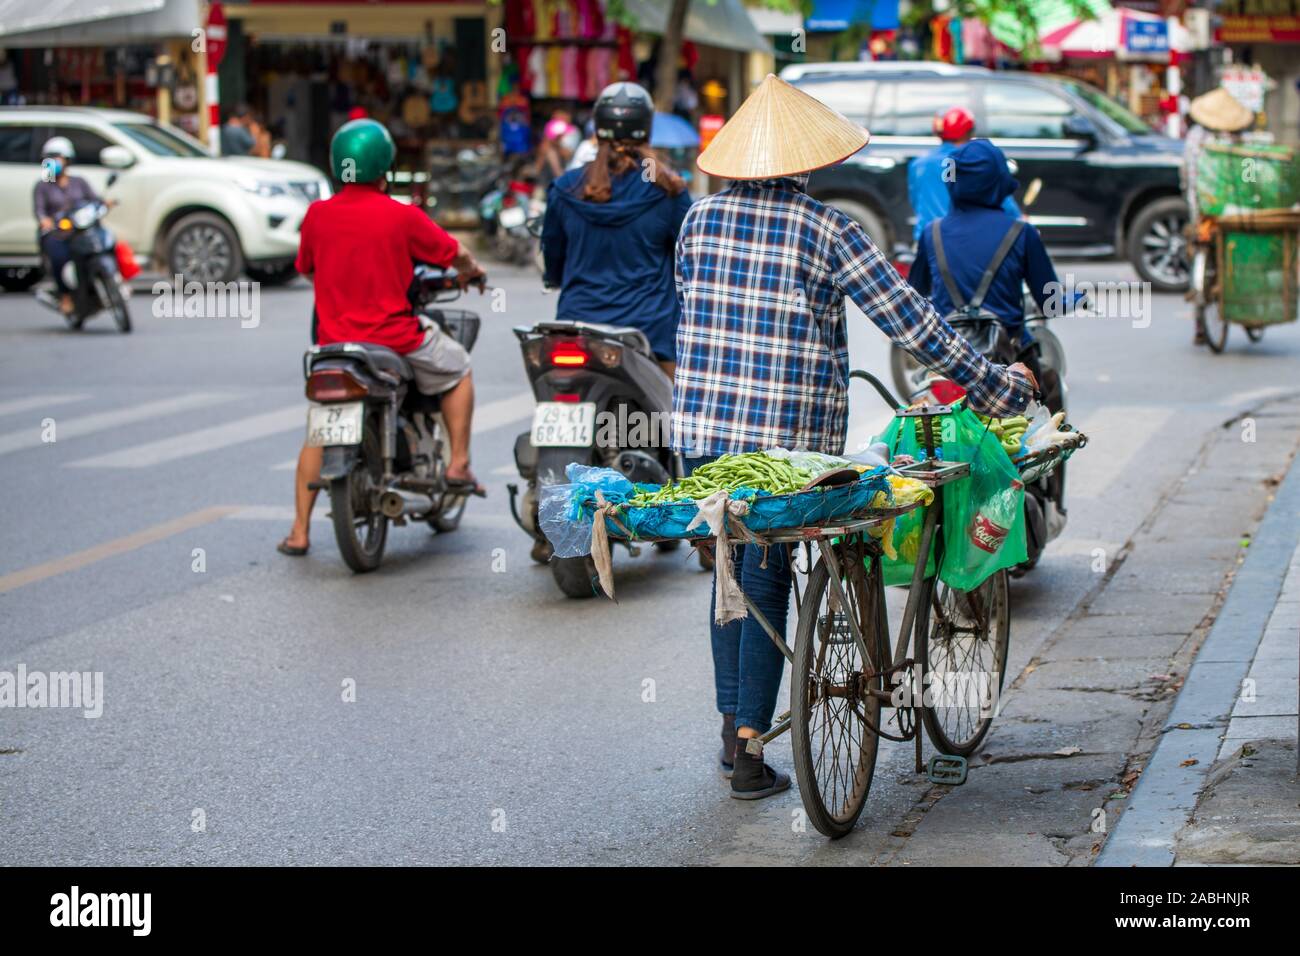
<point x="361" y="151"/>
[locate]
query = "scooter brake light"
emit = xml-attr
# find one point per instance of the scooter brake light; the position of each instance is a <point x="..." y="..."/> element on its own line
<point x="569" y="356"/>
<point x="335" y="385"/>
<point x="571" y="398"/>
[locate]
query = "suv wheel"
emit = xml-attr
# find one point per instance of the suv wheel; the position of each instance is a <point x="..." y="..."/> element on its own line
<point x="203" y="247"/>
<point x="1157" y="245"/>
<point x="870" y="222"/>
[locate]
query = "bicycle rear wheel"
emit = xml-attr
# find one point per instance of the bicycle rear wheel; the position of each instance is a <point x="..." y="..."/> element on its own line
<point x="831" y="714"/>
<point x="962" y="638"/>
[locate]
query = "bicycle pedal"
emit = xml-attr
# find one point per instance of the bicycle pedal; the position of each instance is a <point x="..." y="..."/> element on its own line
<point x="947" y="769"/>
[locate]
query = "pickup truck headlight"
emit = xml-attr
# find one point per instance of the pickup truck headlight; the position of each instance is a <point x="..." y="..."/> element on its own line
<point x="262" y="188"/>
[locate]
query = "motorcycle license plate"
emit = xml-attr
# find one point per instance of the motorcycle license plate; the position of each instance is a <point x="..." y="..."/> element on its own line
<point x="335" y="424"/>
<point x="513" y="216"/>
<point x="564" y="424"/>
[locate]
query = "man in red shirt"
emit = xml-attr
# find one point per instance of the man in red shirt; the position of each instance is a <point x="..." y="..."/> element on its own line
<point x="359" y="249"/>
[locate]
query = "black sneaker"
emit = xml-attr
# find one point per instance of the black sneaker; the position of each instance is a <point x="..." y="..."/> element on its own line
<point x="752" y="779"/>
<point x="727" y="754"/>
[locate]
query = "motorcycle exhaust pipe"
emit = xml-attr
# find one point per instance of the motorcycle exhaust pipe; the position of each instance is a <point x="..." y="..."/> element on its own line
<point x="396" y="503"/>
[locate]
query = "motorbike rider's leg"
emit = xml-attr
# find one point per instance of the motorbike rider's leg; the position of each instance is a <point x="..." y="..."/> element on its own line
<point x="442" y="367"/>
<point x="57" y="253"/>
<point x="457" y="415"/>
<point x="304" y="499"/>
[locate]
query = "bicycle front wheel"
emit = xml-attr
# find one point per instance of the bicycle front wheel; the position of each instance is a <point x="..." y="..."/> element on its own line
<point x="832" y="715"/>
<point x="962" y="638"/>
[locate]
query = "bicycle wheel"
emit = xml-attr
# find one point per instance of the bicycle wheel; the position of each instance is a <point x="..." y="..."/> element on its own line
<point x="831" y="713"/>
<point x="962" y="639"/>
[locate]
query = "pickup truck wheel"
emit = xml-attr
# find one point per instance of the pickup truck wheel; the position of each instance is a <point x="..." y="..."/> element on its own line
<point x="1157" y="245"/>
<point x="870" y="222"/>
<point x="202" y="247"/>
<point x="274" y="275"/>
<point x="19" y="280"/>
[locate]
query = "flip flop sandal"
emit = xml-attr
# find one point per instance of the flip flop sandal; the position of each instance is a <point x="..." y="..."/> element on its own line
<point x="284" y="547"/>
<point x="466" y="488"/>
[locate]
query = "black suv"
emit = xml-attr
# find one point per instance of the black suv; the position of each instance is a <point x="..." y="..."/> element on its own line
<point x="1109" y="182"/>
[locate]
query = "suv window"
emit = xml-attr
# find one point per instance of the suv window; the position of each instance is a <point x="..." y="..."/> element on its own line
<point x="86" y="142"/>
<point x="1024" y="111"/>
<point x="908" y="107"/>
<point x="16" y="144"/>
<point x="851" y="97"/>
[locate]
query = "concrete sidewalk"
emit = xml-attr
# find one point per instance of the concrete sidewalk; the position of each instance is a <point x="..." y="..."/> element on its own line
<point x="1220" y="786"/>
<point x="1249" y="811"/>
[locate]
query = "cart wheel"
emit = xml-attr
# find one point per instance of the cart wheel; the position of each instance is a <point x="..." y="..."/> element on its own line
<point x="831" y="714"/>
<point x="961" y="643"/>
<point x="1255" y="332"/>
<point x="1210" y="318"/>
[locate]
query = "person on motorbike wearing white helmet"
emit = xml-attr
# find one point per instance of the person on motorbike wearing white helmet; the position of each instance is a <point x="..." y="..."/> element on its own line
<point x="56" y="193"/>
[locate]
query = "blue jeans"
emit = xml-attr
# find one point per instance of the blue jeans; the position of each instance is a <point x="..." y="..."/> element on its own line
<point x="747" y="666"/>
<point x="57" y="253"/>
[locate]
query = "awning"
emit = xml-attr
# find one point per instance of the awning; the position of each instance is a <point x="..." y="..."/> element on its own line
<point x="830" y="16"/>
<point x="1052" y="15"/>
<point x="724" y="23"/>
<point x="39" y="23"/>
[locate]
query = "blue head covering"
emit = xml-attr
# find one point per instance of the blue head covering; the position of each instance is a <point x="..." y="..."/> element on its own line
<point x="981" y="178"/>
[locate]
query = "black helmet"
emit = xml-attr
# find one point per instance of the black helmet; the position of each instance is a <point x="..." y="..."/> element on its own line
<point x="624" y="112"/>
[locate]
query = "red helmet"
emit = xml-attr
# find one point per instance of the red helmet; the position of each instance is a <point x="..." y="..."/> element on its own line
<point x="954" y="124"/>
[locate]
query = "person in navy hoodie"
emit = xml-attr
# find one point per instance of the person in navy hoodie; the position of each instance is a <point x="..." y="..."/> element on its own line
<point x="611" y="228"/>
<point x="972" y="232"/>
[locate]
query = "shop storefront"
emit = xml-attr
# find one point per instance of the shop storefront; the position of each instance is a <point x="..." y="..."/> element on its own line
<point x="1266" y="36"/>
<point x="127" y="54"/>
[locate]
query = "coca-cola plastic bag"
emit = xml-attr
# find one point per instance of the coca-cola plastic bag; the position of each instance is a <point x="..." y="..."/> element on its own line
<point x="983" y="515"/>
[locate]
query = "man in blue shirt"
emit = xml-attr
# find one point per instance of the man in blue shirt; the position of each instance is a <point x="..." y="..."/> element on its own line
<point x="928" y="176"/>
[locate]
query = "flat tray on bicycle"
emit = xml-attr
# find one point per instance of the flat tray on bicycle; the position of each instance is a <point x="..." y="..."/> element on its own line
<point x="935" y="473"/>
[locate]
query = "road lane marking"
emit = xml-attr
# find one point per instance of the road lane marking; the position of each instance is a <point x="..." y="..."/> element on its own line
<point x="30" y="436"/>
<point x="503" y="411"/>
<point x="110" y="549"/>
<point x="202" y="440"/>
<point x="1120" y="432"/>
<point x="38" y="401"/>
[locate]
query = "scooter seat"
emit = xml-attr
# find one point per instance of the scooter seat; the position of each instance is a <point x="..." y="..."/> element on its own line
<point x="378" y="357"/>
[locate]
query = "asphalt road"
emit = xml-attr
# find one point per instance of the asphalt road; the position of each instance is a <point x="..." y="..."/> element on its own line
<point x="494" y="721"/>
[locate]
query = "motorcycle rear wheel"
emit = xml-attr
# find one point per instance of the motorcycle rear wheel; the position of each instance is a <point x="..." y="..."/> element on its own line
<point x="360" y="532"/>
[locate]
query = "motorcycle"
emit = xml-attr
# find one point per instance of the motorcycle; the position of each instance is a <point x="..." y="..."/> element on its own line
<point x="91" y="272"/>
<point x="505" y="214"/>
<point x="587" y="377"/>
<point x="386" y="452"/>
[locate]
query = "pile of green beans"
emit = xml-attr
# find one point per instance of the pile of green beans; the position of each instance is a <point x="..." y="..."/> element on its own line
<point x="728" y="473"/>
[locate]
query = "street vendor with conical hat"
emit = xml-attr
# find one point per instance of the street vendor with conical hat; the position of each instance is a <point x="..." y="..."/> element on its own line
<point x="763" y="270"/>
<point x="1216" y="117"/>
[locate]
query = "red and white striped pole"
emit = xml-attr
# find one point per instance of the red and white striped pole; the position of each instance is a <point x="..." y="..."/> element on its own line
<point x="216" y="49"/>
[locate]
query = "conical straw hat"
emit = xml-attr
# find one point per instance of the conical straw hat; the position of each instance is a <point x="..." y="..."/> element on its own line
<point x="1220" y="110"/>
<point x="780" y="131"/>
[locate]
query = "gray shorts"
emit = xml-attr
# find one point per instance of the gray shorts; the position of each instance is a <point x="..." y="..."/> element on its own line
<point x="439" y="363"/>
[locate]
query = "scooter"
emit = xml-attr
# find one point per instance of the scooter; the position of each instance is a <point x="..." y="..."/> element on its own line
<point x="505" y="214"/>
<point x="602" y="399"/>
<point x="386" y="452"/>
<point x="91" y="272"/>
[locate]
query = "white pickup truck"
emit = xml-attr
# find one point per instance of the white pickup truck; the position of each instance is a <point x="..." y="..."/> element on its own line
<point x="206" y="218"/>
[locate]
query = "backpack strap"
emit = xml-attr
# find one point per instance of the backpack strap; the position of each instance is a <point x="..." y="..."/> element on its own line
<point x="954" y="293"/>
<point x="995" y="263"/>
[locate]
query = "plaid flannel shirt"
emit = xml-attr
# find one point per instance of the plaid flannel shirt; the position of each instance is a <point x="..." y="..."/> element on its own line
<point x="762" y="350"/>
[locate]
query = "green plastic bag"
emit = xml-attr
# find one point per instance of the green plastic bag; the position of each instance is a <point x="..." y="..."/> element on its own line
<point x="976" y="510"/>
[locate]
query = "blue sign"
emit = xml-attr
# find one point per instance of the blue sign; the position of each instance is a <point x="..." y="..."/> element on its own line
<point x="834" y="15"/>
<point x="1146" y="36"/>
